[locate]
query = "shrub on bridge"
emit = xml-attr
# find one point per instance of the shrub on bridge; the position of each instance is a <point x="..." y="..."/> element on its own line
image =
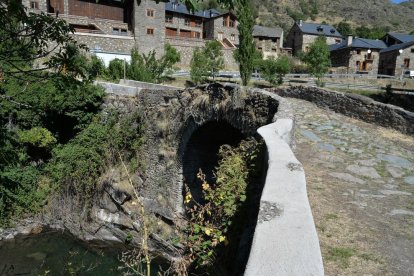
<point x="211" y="224"/>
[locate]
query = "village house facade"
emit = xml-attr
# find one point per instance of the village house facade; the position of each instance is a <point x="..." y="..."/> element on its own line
<point x="269" y="41"/>
<point x="111" y="28"/>
<point x="397" y="59"/>
<point x="357" y="55"/>
<point x="303" y="34"/>
<point x="399" y="56"/>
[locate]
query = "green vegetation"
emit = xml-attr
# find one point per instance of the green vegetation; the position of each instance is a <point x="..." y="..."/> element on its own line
<point x="76" y="166"/>
<point x="245" y="53"/>
<point x="211" y="225"/>
<point x="43" y="104"/>
<point x="273" y="70"/>
<point x="362" y="31"/>
<point x="142" y="67"/>
<point x="206" y="62"/>
<point x="340" y="255"/>
<point x="307" y="9"/>
<point x="318" y="59"/>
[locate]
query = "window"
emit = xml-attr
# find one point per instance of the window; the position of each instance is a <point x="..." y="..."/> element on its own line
<point x="337" y="41"/>
<point x="358" y="51"/>
<point x="232" y="37"/>
<point x="231" y="23"/>
<point x="197" y="35"/>
<point x="224" y="22"/>
<point x="412" y="50"/>
<point x="34" y="5"/>
<point x="168" y="18"/>
<point x="187" y="22"/>
<point x="150" y="13"/>
<point x="150" y="31"/>
<point x="220" y="36"/>
<point x="198" y="23"/>
<point x="406" y="63"/>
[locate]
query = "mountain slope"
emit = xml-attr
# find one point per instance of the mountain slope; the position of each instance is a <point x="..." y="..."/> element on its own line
<point x="380" y="13"/>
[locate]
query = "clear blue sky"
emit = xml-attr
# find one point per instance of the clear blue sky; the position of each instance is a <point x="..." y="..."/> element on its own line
<point x="398" y="1"/>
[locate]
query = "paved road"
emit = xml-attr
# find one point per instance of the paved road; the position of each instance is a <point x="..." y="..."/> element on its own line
<point x="361" y="188"/>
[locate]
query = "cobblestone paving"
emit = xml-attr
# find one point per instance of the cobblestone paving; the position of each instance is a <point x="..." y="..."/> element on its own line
<point x="361" y="188"/>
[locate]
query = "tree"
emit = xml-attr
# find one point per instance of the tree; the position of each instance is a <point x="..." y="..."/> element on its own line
<point x="26" y="38"/>
<point x="198" y="72"/>
<point x="344" y="28"/>
<point x="245" y="54"/>
<point x="273" y="70"/>
<point x="206" y="62"/>
<point x="318" y="58"/>
<point x="150" y="69"/>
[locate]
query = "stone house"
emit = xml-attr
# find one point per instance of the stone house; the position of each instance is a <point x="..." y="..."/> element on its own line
<point x="111" y="28"/>
<point x="269" y="41"/>
<point x="302" y="34"/>
<point x="357" y="55"/>
<point x="397" y="58"/>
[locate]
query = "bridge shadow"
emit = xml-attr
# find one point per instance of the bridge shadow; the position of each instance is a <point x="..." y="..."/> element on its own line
<point x="202" y="153"/>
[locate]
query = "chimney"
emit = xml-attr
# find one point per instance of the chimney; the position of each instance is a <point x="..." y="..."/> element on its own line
<point x="349" y="40"/>
<point x="300" y="23"/>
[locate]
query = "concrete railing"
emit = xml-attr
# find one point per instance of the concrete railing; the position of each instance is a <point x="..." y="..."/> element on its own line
<point x="147" y="85"/>
<point x="285" y="240"/>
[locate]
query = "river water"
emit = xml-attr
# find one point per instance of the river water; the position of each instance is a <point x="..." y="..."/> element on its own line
<point x="55" y="254"/>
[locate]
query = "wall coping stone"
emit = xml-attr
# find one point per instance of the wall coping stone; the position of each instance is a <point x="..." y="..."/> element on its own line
<point x="125" y="37"/>
<point x="285" y="240"/>
<point x="147" y="85"/>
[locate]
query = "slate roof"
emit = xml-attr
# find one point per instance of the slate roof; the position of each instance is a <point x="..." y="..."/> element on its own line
<point x="181" y="8"/>
<point x="402" y="37"/>
<point x="397" y="47"/>
<point x="267" y="31"/>
<point x="319" y="29"/>
<point x="359" y="43"/>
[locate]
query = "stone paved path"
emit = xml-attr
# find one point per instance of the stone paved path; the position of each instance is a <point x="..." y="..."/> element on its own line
<point x="361" y="188"/>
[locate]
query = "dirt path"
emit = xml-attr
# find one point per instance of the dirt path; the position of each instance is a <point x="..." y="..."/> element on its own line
<point x="361" y="188"/>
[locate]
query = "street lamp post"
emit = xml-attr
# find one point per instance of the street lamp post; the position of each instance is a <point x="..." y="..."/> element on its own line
<point x="402" y="66"/>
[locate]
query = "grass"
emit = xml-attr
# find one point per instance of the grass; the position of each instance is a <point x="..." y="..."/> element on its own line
<point x="340" y="255"/>
<point x="331" y="217"/>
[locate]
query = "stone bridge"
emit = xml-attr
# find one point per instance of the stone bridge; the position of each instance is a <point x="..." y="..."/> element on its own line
<point x="184" y="129"/>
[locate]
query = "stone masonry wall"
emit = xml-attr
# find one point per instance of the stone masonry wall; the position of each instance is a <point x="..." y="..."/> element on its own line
<point x="348" y="58"/>
<point x="148" y="42"/>
<point x="107" y="43"/>
<point x="388" y="63"/>
<point x="227" y="31"/>
<point x="172" y="116"/>
<point x="408" y="53"/>
<point x="106" y="26"/>
<point x="355" y="106"/>
<point x="179" y="23"/>
<point x="186" y="48"/>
